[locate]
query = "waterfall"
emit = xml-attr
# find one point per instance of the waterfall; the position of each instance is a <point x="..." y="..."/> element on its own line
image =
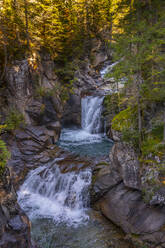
<point x="48" y="193"/>
<point x="91" y="114"/>
<point x="89" y="140"/>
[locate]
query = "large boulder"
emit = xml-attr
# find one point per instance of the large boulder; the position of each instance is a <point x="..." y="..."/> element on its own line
<point x="124" y="161"/>
<point x="29" y="149"/>
<point x="118" y="193"/>
<point x="126" y="208"/>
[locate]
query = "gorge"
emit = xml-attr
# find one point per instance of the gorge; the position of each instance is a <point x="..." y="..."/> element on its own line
<point x="60" y="202"/>
<point x="82" y="124"/>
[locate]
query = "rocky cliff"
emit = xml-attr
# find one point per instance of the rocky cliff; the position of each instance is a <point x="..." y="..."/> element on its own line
<point x="119" y="196"/>
<point x="33" y="90"/>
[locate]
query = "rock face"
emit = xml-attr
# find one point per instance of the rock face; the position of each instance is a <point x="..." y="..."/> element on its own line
<point x="113" y="134"/>
<point x="123" y="160"/>
<point x="19" y="84"/>
<point x="72" y="111"/>
<point x="31" y="147"/>
<point x="14" y="225"/>
<point x="28" y="83"/>
<point x="120" y="198"/>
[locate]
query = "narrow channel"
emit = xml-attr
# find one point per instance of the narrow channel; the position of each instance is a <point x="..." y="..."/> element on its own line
<point x="58" y="204"/>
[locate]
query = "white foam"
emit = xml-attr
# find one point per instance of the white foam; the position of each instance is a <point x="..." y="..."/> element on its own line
<point x="48" y="193"/>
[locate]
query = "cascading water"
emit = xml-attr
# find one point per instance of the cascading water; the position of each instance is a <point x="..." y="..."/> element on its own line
<point x="58" y="203"/>
<point x="89" y="140"/>
<point x="49" y="193"/>
<point x="91" y="114"/>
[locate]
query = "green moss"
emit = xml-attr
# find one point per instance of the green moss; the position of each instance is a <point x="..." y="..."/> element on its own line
<point x="111" y="103"/>
<point x="14" y="119"/>
<point x="124" y="120"/>
<point x="4" y="156"/>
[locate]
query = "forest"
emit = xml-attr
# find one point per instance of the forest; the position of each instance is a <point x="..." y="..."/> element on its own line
<point x="63" y="39"/>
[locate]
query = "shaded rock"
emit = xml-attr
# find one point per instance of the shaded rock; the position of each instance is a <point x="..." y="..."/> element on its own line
<point x="29" y="149"/>
<point x="54" y="131"/>
<point x="72" y="163"/>
<point x="126" y="209"/>
<point x="20" y="87"/>
<point x="36" y="111"/>
<point x="159" y="197"/>
<point x="124" y="161"/>
<point x="54" y="125"/>
<point x="102" y="185"/>
<point x="114" y="135"/>
<point x="72" y="111"/>
<point x="99" y="57"/>
<point x="44" y="110"/>
<point x="14" y="224"/>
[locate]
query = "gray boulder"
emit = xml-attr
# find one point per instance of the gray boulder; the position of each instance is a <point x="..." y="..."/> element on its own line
<point x="124" y="161"/>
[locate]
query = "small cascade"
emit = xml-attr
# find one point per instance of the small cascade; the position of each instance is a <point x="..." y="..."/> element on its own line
<point x="91" y="114"/>
<point x="108" y="68"/>
<point x="49" y="193"/>
<point x="91" y="139"/>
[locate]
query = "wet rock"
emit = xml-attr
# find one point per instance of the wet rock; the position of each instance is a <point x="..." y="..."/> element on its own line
<point x="16" y="223"/>
<point x="72" y="111"/>
<point x="72" y="163"/>
<point x="29" y="150"/>
<point x="102" y="185"/>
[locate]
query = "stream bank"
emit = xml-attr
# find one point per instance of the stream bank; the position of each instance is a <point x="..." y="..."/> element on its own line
<point x="116" y="182"/>
<point x="55" y="195"/>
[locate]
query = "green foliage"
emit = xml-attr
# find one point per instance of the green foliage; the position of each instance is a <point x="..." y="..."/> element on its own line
<point x="111" y="103"/>
<point x="4" y="155"/>
<point x="131" y="136"/>
<point x="41" y="91"/>
<point x="66" y="73"/>
<point x="152" y="143"/>
<point x="61" y="90"/>
<point x="157" y="131"/>
<point x="124" y="120"/>
<point x="14" y="120"/>
<point x="149" y="146"/>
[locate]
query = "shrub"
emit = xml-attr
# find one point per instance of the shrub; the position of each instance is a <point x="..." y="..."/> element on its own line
<point x="126" y="119"/>
<point x="14" y="119"/>
<point x="4" y="156"/>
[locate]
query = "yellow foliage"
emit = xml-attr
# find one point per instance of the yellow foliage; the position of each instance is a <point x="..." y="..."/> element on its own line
<point x="2" y="127"/>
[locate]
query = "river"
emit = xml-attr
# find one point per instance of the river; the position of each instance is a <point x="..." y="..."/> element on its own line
<point x="58" y="204"/>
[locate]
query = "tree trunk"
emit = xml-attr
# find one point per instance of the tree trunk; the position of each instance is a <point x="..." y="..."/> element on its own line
<point x="27" y="24"/>
<point x="139" y="110"/>
<point x="164" y="125"/>
<point x="5" y="62"/>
